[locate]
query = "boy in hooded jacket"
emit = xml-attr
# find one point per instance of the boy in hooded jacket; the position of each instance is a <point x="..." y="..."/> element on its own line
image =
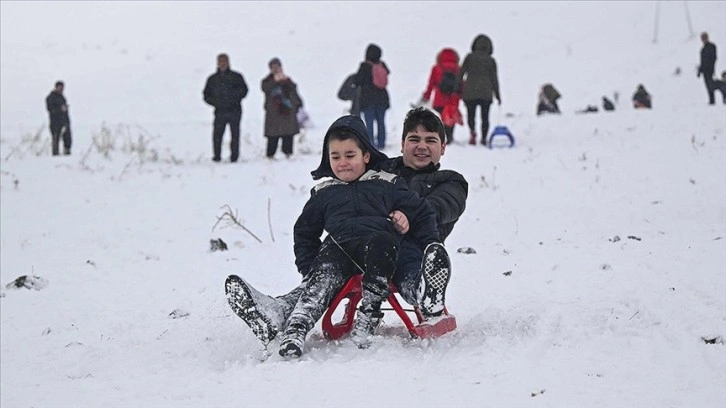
<point x="358" y="209"/>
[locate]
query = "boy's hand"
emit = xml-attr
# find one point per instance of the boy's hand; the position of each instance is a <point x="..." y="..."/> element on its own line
<point x="400" y="221"/>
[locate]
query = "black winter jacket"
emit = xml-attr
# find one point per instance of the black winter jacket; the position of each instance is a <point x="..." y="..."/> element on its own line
<point x="445" y="190"/>
<point x="225" y="90"/>
<point x="708" y="59"/>
<point x="357" y="209"/>
<point x="54" y="103"/>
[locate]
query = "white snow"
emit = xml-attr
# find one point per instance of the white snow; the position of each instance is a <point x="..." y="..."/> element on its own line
<point x="122" y="239"/>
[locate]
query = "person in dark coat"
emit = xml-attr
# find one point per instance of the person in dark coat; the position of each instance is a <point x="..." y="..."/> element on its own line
<point x="356" y="208"/>
<point x="225" y="90"/>
<point x="60" y="122"/>
<point x="374" y="99"/>
<point x="708" y="66"/>
<point x="641" y="98"/>
<point x="445" y="85"/>
<point x="481" y="84"/>
<point x="547" y="100"/>
<point x="445" y="190"/>
<point x="281" y="105"/>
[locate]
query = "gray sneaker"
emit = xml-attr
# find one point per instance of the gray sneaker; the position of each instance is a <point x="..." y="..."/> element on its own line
<point x="435" y="276"/>
<point x="261" y="312"/>
<point x="365" y="326"/>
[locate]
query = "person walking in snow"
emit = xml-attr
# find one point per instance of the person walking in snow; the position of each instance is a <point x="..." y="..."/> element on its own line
<point x="60" y="122"/>
<point x="225" y="90"/>
<point x="481" y="84"/>
<point x="708" y="66"/>
<point x="372" y="79"/>
<point x="422" y="144"/>
<point x="282" y="103"/>
<point x="445" y="85"/>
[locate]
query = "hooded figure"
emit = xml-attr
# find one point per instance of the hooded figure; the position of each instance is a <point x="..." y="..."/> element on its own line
<point x="444" y="83"/>
<point x="374" y="100"/>
<point x="355" y="125"/>
<point x="480" y="70"/>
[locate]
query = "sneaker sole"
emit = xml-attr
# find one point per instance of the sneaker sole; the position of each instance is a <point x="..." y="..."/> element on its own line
<point x="436" y="275"/>
<point x="290" y="350"/>
<point x="242" y="304"/>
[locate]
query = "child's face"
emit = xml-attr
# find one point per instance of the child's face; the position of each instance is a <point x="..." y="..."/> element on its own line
<point x="347" y="159"/>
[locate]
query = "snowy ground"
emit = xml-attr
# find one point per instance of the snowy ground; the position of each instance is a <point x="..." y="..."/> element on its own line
<point x="613" y="225"/>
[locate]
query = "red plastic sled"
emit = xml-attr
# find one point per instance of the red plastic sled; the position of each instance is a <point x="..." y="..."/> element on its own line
<point x="353" y="292"/>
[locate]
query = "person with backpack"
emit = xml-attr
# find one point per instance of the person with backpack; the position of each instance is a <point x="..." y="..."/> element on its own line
<point x="478" y="75"/>
<point x="372" y="79"/>
<point x="444" y="83"/>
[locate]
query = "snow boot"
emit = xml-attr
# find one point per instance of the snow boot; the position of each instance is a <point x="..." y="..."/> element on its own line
<point x="366" y="322"/>
<point x="435" y="276"/>
<point x="259" y="311"/>
<point x="472" y="139"/>
<point x="293" y="340"/>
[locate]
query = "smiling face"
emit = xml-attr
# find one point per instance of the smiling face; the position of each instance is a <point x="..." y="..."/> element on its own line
<point x="421" y="147"/>
<point x="347" y="160"/>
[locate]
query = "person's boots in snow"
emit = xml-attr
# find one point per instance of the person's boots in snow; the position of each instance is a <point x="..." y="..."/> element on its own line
<point x="366" y="322"/>
<point x="293" y="340"/>
<point x="435" y="276"/>
<point x="264" y="314"/>
<point x="472" y="138"/>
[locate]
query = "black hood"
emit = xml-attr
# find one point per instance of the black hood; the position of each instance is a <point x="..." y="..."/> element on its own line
<point x="355" y="125"/>
<point x="373" y="53"/>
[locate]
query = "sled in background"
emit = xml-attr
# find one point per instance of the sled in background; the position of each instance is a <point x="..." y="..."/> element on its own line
<point x="501" y="131"/>
<point x="353" y="292"/>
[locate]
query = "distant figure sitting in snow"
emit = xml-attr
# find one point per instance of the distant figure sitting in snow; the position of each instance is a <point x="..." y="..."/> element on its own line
<point x="547" y="100"/>
<point x="607" y="104"/>
<point x="641" y="98"/>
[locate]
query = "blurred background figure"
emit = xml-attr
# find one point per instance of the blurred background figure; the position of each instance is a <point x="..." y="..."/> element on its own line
<point x="445" y="85"/>
<point x="282" y="103"/>
<point x="547" y="100"/>
<point x="481" y="83"/>
<point x="708" y="66"/>
<point x="641" y="98"/>
<point x="60" y="122"/>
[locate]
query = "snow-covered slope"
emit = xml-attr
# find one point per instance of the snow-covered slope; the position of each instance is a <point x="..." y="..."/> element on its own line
<point x="613" y="225"/>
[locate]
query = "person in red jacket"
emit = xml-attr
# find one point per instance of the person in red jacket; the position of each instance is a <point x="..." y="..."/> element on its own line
<point x="444" y="84"/>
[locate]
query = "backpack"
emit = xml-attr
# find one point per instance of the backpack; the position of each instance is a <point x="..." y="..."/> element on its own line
<point x="379" y="74"/>
<point x="347" y="91"/>
<point x="449" y="83"/>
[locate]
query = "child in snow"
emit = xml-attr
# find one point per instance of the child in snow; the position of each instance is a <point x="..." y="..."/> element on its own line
<point x="359" y="209"/>
<point x="641" y="98"/>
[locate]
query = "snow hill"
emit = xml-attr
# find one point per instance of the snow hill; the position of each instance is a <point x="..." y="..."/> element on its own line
<point x="598" y="278"/>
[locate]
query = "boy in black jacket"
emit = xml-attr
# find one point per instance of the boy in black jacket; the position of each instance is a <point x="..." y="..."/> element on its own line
<point x="358" y="208"/>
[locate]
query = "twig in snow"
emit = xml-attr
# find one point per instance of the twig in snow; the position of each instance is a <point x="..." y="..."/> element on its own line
<point x="269" y="220"/>
<point x="232" y="219"/>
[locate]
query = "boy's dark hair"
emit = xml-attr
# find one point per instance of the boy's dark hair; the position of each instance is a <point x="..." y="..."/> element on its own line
<point x="426" y="118"/>
<point x="342" y="134"/>
<point x="59" y="83"/>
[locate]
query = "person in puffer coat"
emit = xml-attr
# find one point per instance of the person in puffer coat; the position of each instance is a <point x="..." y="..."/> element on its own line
<point x="282" y="102"/>
<point x="481" y="84"/>
<point x="446" y="96"/>
<point x="358" y="208"/>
